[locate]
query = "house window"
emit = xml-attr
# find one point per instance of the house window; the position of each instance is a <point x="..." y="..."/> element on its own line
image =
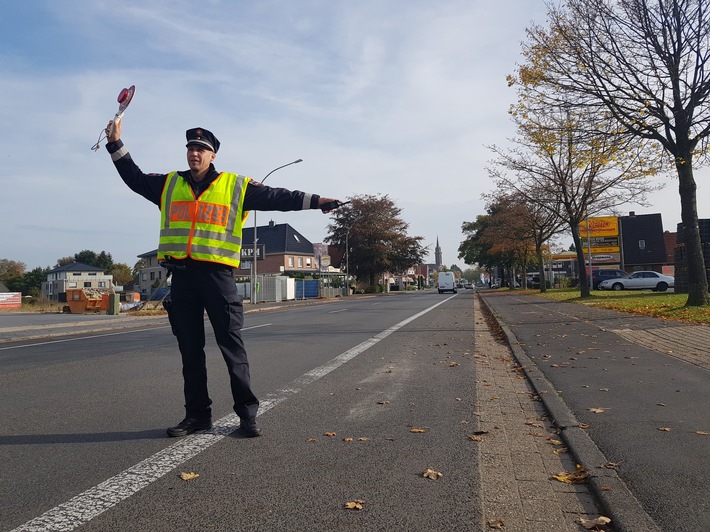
<point x="300" y="262"/>
<point x="92" y="273"/>
<point x="308" y="262"/>
<point x="144" y="276"/>
<point x="290" y="262"/>
<point x="152" y="276"/>
<point x="642" y="244"/>
<point x="76" y="273"/>
<point x="87" y="284"/>
<point x="71" y="284"/>
<point x="102" y="284"/>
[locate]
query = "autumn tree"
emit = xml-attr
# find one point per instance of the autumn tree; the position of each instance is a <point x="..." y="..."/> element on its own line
<point x="495" y="240"/>
<point x="11" y="269"/>
<point x="122" y="273"/>
<point x="644" y="64"/>
<point x="564" y="159"/>
<point x="535" y="221"/>
<point x="63" y="261"/>
<point x="376" y="237"/>
<point x="473" y="250"/>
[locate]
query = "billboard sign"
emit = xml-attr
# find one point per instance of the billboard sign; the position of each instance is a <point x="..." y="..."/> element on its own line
<point x="599" y="226"/>
<point x="248" y="253"/>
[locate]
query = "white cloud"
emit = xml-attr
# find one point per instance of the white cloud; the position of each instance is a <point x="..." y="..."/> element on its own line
<point x="396" y="98"/>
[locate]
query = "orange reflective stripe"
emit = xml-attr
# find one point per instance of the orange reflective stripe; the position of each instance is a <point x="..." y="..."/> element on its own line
<point x="182" y="211"/>
<point x="200" y="212"/>
<point x="211" y="213"/>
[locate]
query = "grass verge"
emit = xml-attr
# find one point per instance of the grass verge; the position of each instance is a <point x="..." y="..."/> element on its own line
<point x="661" y="305"/>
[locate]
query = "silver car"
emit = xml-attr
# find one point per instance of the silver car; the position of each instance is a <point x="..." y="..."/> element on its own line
<point x="640" y="281"/>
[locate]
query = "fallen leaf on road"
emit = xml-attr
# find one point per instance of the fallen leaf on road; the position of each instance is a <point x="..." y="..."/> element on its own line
<point x="533" y="424"/>
<point x="363" y="438"/>
<point x="383" y="402"/>
<point x="431" y="474"/>
<point x="561" y="450"/>
<point x="553" y="441"/>
<point x="329" y="434"/>
<point x="354" y="505"/>
<point x="572" y="477"/>
<point x="473" y="437"/>
<point x="593" y="524"/>
<point x="664" y="429"/>
<point x="702" y="433"/>
<point x="660" y="404"/>
<point x="605" y="488"/>
<point x="348" y="439"/>
<point x="417" y="430"/>
<point x="612" y="465"/>
<point x="603" y="389"/>
<point x="597" y="410"/>
<point x="453" y="364"/>
<point x="584" y="425"/>
<point x="188" y="476"/>
<point x="495" y="523"/>
<point x="311" y="440"/>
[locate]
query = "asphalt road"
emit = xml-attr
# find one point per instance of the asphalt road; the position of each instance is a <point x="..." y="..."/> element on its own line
<point x="643" y="408"/>
<point x="83" y="439"/>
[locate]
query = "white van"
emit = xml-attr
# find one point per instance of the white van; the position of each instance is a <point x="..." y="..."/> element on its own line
<point x="447" y="282"/>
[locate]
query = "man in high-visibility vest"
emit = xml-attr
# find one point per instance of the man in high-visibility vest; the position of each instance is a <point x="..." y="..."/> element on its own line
<point x="202" y="213"/>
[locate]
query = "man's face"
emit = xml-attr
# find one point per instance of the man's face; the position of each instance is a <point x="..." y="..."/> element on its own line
<point x="199" y="158"/>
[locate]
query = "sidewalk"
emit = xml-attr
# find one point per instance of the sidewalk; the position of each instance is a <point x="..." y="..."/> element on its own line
<point x="628" y="396"/>
<point x="520" y="448"/>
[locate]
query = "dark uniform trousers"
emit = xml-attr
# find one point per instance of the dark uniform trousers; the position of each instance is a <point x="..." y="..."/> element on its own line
<point x="208" y="286"/>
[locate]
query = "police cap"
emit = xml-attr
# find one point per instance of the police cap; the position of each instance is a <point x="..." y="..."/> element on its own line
<point x="202" y="137"/>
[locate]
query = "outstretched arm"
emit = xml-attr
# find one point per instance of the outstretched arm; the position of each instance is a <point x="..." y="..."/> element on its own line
<point x="150" y="186"/>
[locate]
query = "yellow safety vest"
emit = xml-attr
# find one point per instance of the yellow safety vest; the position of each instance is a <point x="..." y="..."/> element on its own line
<point x="208" y="228"/>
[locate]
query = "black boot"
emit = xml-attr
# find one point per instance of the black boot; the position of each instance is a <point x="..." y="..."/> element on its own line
<point x="188" y="426"/>
<point x="248" y="428"/>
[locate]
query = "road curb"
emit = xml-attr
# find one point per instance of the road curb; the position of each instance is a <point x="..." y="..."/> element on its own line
<point x="619" y="504"/>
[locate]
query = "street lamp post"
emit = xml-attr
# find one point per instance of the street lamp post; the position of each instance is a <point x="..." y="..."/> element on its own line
<point x="253" y="259"/>
<point x="347" y="259"/>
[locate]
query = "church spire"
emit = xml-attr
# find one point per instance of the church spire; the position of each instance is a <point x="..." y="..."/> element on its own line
<point x="437" y="254"/>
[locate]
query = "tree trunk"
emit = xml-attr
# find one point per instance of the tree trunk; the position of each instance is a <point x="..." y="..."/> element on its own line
<point x="697" y="276"/>
<point x="581" y="262"/>
<point x="541" y="267"/>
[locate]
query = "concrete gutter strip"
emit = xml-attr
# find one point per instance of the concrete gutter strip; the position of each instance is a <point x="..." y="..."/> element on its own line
<point x="618" y="502"/>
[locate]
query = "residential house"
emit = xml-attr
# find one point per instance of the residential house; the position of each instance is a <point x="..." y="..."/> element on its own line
<point x="285" y="250"/>
<point x="74" y="275"/>
<point x="681" y="264"/>
<point x="150" y="275"/>
<point x="643" y="246"/>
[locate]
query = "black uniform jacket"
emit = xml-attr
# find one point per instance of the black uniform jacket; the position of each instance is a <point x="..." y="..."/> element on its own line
<point x="257" y="197"/>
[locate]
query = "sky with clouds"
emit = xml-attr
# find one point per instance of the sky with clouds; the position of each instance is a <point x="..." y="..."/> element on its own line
<point x="395" y="97"/>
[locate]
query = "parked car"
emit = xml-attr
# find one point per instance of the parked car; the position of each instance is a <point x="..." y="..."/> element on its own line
<point x="533" y="280"/>
<point x="602" y="274"/>
<point x="640" y="281"/>
<point x="468" y="285"/>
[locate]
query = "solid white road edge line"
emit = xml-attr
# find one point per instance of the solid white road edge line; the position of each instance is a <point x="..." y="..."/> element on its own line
<point x="96" y="500"/>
